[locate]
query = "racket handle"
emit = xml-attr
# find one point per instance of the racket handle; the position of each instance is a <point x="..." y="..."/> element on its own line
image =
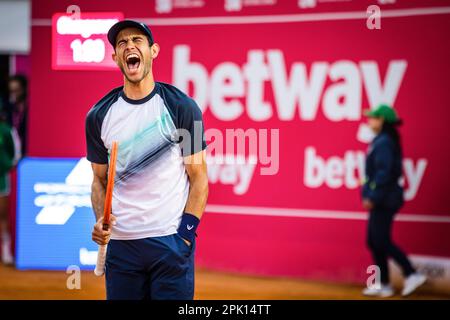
<point x="101" y="258"/>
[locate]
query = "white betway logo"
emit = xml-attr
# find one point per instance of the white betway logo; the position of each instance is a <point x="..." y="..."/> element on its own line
<point x="336" y="172"/>
<point x="229" y="90"/>
<point x="59" y="200"/>
<point x="235" y="170"/>
<point x="297" y="90"/>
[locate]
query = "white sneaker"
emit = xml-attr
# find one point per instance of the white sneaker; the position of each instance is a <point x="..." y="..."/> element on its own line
<point x="384" y="291"/>
<point x="413" y="282"/>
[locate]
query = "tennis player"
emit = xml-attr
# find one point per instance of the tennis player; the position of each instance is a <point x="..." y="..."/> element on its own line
<point x="161" y="184"/>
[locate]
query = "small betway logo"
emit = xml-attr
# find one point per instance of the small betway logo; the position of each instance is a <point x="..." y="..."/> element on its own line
<point x="60" y="200"/>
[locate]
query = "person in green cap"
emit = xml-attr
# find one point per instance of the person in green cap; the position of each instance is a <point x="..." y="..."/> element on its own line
<point x="7" y="153"/>
<point x="383" y="197"/>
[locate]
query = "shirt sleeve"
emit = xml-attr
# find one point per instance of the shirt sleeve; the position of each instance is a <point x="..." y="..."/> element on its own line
<point x="96" y="150"/>
<point x="191" y="128"/>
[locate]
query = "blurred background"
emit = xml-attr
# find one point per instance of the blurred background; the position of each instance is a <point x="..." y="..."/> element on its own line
<point x="296" y="76"/>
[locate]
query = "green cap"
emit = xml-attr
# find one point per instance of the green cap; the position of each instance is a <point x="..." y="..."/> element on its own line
<point x="385" y="112"/>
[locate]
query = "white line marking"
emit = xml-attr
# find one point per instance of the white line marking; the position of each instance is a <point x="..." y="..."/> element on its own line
<point x="284" y="18"/>
<point x="320" y="214"/>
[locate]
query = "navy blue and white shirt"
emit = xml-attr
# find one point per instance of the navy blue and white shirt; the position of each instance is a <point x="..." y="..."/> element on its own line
<point x="154" y="134"/>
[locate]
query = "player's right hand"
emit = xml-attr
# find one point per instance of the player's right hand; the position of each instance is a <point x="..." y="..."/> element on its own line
<point x="101" y="236"/>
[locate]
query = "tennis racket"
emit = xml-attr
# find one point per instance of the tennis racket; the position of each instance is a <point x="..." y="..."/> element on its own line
<point x="101" y="257"/>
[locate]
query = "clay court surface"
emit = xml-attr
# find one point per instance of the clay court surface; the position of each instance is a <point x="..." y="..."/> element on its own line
<point x="51" y="285"/>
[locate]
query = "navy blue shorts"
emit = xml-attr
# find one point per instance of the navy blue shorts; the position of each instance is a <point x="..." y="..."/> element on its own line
<point x="157" y="268"/>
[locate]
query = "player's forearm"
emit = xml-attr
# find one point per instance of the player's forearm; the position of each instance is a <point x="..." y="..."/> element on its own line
<point x="198" y="195"/>
<point x="98" y="198"/>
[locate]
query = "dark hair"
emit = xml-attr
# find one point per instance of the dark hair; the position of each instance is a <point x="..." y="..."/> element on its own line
<point x="23" y="82"/>
<point x="391" y="129"/>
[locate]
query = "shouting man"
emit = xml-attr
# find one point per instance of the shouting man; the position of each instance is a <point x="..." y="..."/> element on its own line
<point x="161" y="184"/>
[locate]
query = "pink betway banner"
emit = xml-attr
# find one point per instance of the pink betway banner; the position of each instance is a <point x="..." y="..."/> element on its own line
<point x="283" y="89"/>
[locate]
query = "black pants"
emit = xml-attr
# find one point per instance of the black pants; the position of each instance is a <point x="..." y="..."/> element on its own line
<point x="380" y="243"/>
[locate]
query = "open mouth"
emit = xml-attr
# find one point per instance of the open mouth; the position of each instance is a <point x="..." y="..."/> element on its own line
<point x="133" y="61"/>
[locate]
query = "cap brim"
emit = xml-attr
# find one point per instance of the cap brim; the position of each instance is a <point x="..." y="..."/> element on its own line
<point x="119" y="26"/>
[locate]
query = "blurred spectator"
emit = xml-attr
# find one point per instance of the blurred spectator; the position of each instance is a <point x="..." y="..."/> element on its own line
<point x="7" y="151"/>
<point x="18" y="109"/>
<point x="383" y="197"/>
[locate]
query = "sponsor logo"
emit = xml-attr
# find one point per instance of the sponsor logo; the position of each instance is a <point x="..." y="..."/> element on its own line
<point x="79" y="40"/>
<point x="59" y="200"/>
